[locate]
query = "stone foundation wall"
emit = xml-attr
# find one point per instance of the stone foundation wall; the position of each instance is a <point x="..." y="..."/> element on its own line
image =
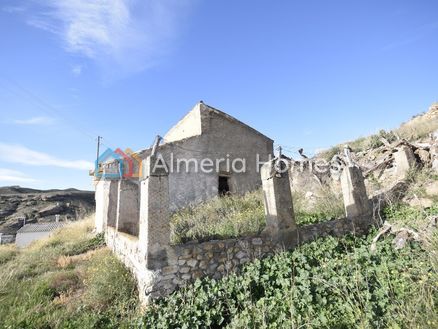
<point x="217" y="258"/>
<point x="337" y="228"/>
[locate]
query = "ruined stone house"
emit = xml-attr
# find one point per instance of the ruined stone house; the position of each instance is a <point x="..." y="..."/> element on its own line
<point x="204" y="134"/>
<point x="134" y="213"/>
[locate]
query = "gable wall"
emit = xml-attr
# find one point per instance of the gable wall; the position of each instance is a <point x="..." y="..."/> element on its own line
<point x="189" y="126"/>
<point x="220" y="137"/>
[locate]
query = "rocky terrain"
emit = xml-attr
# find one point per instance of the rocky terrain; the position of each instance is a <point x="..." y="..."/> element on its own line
<point x="376" y="156"/>
<point x="19" y="205"/>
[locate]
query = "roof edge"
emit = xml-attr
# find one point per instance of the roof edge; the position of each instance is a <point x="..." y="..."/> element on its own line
<point x="233" y="119"/>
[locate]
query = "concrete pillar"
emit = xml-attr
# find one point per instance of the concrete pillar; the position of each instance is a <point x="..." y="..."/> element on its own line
<point x="154" y="237"/>
<point x="106" y="204"/>
<point x="404" y="161"/>
<point x="99" y="217"/>
<point x="113" y="197"/>
<point x="128" y="207"/>
<point x="278" y="200"/>
<point x="356" y="201"/>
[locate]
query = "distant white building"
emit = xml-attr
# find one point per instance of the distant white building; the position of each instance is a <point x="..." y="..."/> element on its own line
<point x="7" y="238"/>
<point x="32" y="232"/>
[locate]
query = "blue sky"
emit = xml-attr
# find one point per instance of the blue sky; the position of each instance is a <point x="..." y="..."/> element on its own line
<point x="306" y="73"/>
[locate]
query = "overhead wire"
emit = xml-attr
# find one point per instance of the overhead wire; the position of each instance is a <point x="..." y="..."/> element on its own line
<point x="46" y="107"/>
<point x="18" y="90"/>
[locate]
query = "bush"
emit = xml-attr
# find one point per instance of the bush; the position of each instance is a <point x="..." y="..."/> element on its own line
<point x="403" y="214"/>
<point x="330" y="153"/>
<point x="329" y="283"/>
<point x="375" y="141"/>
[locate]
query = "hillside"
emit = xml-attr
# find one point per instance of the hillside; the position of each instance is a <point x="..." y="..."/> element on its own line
<point x="35" y="206"/>
<point x="69" y="280"/>
<point x="72" y="281"/>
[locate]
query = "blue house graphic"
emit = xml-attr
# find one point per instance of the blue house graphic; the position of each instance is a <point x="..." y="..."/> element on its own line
<point x="106" y="156"/>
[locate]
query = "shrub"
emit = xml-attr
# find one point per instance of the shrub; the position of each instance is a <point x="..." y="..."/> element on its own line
<point x="329" y="283"/>
<point x="330" y="153"/>
<point x="412" y="217"/>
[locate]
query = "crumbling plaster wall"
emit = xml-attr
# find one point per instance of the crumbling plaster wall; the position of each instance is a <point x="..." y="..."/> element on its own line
<point x="222" y="138"/>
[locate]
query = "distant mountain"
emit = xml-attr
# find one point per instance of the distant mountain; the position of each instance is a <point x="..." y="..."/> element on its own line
<point x="20" y="204"/>
<point x="24" y="190"/>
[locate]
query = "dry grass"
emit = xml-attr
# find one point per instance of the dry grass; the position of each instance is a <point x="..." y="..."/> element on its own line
<point x="236" y="216"/>
<point x="222" y="217"/>
<point x="324" y="205"/>
<point x="73" y="232"/>
<point x="68" y="280"/>
<point x="418" y="128"/>
<point x="7" y="253"/>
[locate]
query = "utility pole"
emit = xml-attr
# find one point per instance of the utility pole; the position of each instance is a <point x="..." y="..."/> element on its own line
<point x="99" y="138"/>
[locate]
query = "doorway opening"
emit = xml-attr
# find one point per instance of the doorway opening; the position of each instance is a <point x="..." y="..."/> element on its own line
<point x="224" y="186"/>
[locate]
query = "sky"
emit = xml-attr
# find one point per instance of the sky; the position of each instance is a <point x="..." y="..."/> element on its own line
<point x="307" y="74"/>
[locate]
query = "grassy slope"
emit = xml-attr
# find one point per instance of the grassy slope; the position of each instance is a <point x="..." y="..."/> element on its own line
<point x="67" y="281"/>
<point x="70" y="281"/>
<point x="417" y="128"/>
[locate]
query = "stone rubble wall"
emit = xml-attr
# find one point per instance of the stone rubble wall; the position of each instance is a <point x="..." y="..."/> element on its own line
<point x="217" y="258"/>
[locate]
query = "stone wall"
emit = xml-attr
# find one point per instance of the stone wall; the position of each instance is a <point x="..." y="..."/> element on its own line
<point x="187" y="262"/>
<point x="218" y="258"/>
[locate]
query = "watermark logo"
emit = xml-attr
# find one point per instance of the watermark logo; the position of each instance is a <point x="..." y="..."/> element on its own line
<point x="116" y="164"/>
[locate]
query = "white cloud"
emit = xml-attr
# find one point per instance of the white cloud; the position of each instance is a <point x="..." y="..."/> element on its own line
<point x="76" y="70"/>
<point x="11" y="176"/>
<point x="13" y="9"/>
<point x="35" y="121"/>
<point x="21" y="154"/>
<point x="134" y="34"/>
